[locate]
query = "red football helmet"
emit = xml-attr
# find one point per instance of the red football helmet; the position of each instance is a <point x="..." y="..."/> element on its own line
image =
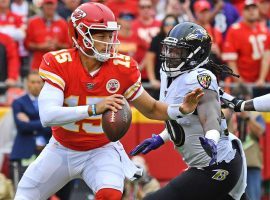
<point x="93" y="16"/>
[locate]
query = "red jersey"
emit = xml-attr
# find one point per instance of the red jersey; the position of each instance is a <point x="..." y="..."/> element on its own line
<point x="12" y="57"/>
<point x="145" y="34"/>
<point x="128" y="45"/>
<point x="11" y="19"/>
<point x="246" y="45"/>
<point x="39" y="31"/>
<point x="64" y="70"/>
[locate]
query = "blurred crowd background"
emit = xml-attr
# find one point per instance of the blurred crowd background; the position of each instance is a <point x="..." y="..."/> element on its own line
<point x="28" y="29"/>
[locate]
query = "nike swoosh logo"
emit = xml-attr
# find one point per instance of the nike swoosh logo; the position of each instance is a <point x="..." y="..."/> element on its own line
<point x="201" y="71"/>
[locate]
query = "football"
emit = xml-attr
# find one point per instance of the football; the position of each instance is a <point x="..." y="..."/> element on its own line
<point x="116" y="124"/>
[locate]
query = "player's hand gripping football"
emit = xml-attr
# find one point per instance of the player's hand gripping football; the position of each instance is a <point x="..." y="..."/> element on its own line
<point x="191" y="101"/>
<point x="147" y="145"/>
<point x="210" y="148"/>
<point x="113" y="103"/>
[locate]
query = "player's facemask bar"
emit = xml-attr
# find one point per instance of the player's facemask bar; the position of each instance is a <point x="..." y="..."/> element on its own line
<point x="111" y="47"/>
<point x="176" y="57"/>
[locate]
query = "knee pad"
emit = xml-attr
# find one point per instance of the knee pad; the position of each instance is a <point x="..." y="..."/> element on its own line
<point x="108" y="194"/>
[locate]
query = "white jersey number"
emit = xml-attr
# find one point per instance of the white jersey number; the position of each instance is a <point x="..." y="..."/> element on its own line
<point x="257" y="43"/>
<point x="93" y="124"/>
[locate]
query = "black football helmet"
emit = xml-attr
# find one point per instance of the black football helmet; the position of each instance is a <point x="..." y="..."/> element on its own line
<point x="186" y="47"/>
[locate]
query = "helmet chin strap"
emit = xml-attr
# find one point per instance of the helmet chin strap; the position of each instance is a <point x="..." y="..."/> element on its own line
<point x="100" y="57"/>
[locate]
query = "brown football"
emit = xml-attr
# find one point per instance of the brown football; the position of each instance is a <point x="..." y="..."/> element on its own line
<point x="116" y="124"/>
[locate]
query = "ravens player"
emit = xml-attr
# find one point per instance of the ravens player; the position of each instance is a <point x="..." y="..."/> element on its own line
<point x="215" y="157"/>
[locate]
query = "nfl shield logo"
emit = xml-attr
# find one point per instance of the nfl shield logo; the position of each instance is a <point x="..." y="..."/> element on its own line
<point x="89" y="86"/>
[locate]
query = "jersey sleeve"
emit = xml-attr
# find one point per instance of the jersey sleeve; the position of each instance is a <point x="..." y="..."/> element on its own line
<point x="201" y="78"/>
<point x="230" y="45"/>
<point x="52" y="72"/>
<point x="134" y="85"/>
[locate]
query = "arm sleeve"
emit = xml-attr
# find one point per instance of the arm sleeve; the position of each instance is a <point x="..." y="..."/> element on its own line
<point x="51" y="110"/>
<point x="24" y="127"/>
<point x="261" y="103"/>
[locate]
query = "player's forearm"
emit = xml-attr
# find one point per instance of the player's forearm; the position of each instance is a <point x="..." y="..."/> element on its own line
<point x="58" y="116"/>
<point x="209" y="115"/>
<point x="158" y="111"/>
<point x="260" y="104"/>
<point x="151" y="108"/>
<point x="52" y="112"/>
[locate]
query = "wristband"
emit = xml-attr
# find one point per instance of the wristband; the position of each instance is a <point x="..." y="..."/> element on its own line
<point x="174" y="111"/>
<point x="213" y="135"/>
<point x="93" y="108"/>
<point x="242" y="106"/>
<point x="164" y="135"/>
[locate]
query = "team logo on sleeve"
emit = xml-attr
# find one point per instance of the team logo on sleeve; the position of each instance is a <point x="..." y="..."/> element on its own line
<point x="112" y="86"/>
<point x="204" y="80"/>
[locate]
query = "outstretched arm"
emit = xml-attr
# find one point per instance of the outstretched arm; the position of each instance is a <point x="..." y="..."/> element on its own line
<point x="210" y="115"/>
<point x="260" y="104"/>
<point x="153" y="109"/>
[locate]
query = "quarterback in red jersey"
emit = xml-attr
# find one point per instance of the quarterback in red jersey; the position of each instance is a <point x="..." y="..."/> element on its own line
<point x="80" y="84"/>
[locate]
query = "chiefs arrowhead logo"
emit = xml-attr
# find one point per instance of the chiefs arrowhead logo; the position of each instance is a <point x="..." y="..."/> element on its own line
<point x="112" y="86"/>
<point x="77" y="14"/>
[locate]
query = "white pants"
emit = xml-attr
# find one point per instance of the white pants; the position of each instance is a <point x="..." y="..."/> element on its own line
<point x="104" y="167"/>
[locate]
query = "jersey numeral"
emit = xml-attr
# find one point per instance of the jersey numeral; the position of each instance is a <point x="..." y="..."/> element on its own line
<point x="257" y="43"/>
<point x="90" y="125"/>
<point x="220" y="22"/>
<point x="220" y="174"/>
<point x="122" y="60"/>
<point x="62" y="56"/>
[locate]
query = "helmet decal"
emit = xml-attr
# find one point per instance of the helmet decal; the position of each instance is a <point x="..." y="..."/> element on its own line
<point x="197" y="34"/>
<point x="77" y="14"/>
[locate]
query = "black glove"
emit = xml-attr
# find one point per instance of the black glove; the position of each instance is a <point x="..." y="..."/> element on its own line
<point x="230" y="101"/>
